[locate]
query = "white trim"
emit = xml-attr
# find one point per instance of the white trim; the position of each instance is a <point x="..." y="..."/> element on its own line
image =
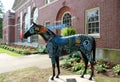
<point x="22" y="5"/>
<point x="96" y="35"/>
<point x="6" y="26"/>
<point x="47" y="1"/>
<point x="63" y="16"/>
<point x="48" y="4"/>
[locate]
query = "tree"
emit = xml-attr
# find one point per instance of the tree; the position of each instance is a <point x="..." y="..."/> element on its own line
<point x="68" y="31"/>
<point x="1" y="18"/>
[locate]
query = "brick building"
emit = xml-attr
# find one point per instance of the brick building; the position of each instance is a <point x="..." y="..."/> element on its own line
<point x="98" y="18"/>
<point x="9" y="27"/>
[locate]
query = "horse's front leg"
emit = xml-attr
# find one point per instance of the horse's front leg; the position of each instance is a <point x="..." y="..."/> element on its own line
<point x="58" y="66"/>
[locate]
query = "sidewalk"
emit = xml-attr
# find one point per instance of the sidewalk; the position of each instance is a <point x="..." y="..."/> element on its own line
<point x="10" y="63"/>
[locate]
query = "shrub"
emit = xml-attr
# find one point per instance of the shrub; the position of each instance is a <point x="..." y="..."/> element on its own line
<point x="75" y="55"/>
<point x="66" y="63"/>
<point x="77" y="66"/>
<point x="68" y="31"/>
<point x="34" y="52"/>
<point x="80" y="72"/>
<point x="89" y="71"/>
<point x="42" y="49"/>
<point x="116" y="69"/>
<point x="100" y="68"/>
<point x="25" y="52"/>
<point x="106" y="66"/>
<point x="74" y="60"/>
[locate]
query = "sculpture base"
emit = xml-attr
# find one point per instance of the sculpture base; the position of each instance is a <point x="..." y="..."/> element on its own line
<point x="71" y="78"/>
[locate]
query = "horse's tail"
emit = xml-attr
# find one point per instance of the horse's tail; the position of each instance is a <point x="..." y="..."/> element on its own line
<point x="94" y="50"/>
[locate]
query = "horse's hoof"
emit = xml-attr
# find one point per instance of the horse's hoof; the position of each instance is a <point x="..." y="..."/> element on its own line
<point x="82" y="76"/>
<point x="52" y="78"/>
<point x="57" y="76"/>
<point x="90" y="78"/>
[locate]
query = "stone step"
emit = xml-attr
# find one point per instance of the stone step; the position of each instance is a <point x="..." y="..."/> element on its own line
<point x="71" y="78"/>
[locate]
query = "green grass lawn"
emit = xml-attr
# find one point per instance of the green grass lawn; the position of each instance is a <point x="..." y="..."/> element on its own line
<point x="106" y="79"/>
<point x="9" y="52"/>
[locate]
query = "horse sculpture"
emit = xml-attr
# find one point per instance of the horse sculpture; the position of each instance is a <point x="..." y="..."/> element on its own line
<point x="55" y="44"/>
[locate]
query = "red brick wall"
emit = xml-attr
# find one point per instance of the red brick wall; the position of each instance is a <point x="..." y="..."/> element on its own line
<point x="109" y="17"/>
<point x="8" y="27"/>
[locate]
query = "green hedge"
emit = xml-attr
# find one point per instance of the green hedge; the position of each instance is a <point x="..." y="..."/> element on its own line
<point x="19" y="51"/>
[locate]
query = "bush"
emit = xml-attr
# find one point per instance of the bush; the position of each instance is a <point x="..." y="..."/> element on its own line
<point x="80" y="72"/>
<point x="74" y="60"/>
<point x="106" y="66"/>
<point x="116" y="69"/>
<point x="42" y="50"/>
<point x="20" y="49"/>
<point x="68" y="31"/>
<point x="100" y="68"/>
<point x="78" y="66"/>
<point x="74" y="55"/>
<point x="25" y="52"/>
<point x="66" y="63"/>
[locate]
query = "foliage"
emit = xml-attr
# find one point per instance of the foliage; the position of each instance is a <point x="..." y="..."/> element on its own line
<point x="42" y="50"/>
<point x="26" y="52"/>
<point x="1" y="28"/>
<point x="66" y="63"/>
<point x="80" y="72"/>
<point x="100" y="68"/>
<point x="68" y="31"/>
<point x="116" y="69"/>
<point x="9" y="52"/>
<point x="106" y="66"/>
<point x="78" y="66"/>
<point x="1" y="19"/>
<point x="74" y="60"/>
<point x="74" y="55"/>
<point x="20" y="49"/>
<point x="106" y="79"/>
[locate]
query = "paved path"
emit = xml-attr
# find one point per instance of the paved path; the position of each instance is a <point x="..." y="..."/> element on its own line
<point x="10" y="63"/>
<point x="71" y="78"/>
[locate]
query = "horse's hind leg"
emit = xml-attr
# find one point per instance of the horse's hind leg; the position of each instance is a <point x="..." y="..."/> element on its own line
<point x="86" y="65"/>
<point x="92" y="69"/>
<point x="58" y="66"/>
<point x="53" y="69"/>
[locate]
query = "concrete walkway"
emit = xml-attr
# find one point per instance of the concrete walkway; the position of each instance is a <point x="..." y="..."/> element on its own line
<point x="10" y="63"/>
<point x="71" y="78"/>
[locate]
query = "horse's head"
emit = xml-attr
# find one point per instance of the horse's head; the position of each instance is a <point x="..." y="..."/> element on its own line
<point x="35" y="29"/>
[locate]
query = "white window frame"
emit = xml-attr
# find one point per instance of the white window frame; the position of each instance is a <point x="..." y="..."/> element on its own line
<point x="47" y="23"/>
<point x="47" y="1"/>
<point x="35" y="19"/>
<point x="96" y="35"/>
<point x="64" y="15"/>
<point x="35" y="16"/>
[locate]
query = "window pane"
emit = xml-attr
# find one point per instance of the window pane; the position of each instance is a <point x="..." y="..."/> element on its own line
<point x="97" y="24"/>
<point x="93" y="21"/>
<point x="67" y="19"/>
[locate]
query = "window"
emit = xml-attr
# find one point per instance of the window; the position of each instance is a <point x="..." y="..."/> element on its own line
<point x="18" y="29"/>
<point x="35" y="19"/>
<point x="26" y="22"/>
<point x="47" y="23"/>
<point x="35" y="16"/>
<point x="47" y="1"/>
<point x="67" y="19"/>
<point x="93" y="21"/>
